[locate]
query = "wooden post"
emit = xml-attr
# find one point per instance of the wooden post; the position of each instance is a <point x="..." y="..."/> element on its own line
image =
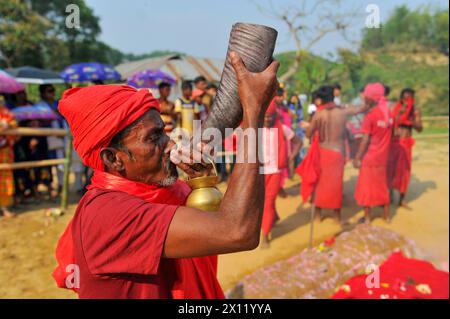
<point x="32" y="164"/>
<point x="68" y="163"/>
<point x="32" y="131"/>
<point x="311" y="227"/>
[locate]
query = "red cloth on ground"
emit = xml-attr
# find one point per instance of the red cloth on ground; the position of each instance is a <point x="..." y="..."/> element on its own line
<point x="330" y="189"/>
<point x="116" y="237"/>
<point x="96" y="113"/>
<point x="371" y="187"/>
<point x="400" y="278"/>
<point x="400" y="163"/>
<point x="272" y="188"/>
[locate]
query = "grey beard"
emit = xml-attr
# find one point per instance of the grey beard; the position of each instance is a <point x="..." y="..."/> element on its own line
<point x="168" y="181"/>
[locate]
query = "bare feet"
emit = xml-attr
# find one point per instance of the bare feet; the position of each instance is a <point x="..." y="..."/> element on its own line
<point x="7" y="214"/>
<point x="404" y="205"/>
<point x="367" y="215"/>
<point x="338" y="217"/>
<point x="265" y="243"/>
<point x="318" y="215"/>
<point x="282" y="193"/>
<point x="338" y="221"/>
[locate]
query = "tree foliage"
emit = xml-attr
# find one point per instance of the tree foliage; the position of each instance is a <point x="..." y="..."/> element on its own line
<point x="411" y="29"/>
<point x="34" y="32"/>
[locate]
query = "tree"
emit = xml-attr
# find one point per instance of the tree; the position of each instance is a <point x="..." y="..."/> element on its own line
<point x="81" y="42"/>
<point x="22" y="34"/>
<point x="354" y="63"/>
<point x="315" y="71"/>
<point x="34" y="32"/>
<point x="330" y="19"/>
<point x="422" y="29"/>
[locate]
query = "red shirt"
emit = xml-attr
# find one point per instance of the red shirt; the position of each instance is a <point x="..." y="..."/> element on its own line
<point x="375" y="125"/>
<point x="118" y="241"/>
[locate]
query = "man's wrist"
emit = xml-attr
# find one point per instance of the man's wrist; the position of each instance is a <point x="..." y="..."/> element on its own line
<point x="252" y="121"/>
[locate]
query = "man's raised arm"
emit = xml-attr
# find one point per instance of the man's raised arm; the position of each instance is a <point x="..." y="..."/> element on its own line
<point x="236" y="226"/>
<point x="353" y="110"/>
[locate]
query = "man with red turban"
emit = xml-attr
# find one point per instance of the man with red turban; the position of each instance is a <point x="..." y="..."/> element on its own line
<point x="131" y="236"/>
<point x="406" y="118"/>
<point x="275" y="137"/>
<point x="372" y="156"/>
<point x="322" y="170"/>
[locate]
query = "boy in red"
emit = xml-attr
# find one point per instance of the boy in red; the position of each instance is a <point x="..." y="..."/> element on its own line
<point x="372" y="156"/>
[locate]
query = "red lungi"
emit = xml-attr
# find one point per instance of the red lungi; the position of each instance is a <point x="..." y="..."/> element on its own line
<point x="400" y="163"/>
<point x="272" y="183"/>
<point x="329" y="188"/>
<point x="371" y="188"/>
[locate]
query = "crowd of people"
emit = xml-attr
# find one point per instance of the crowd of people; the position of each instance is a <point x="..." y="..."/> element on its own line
<point x="132" y="235"/>
<point x="25" y="186"/>
<point x="372" y="132"/>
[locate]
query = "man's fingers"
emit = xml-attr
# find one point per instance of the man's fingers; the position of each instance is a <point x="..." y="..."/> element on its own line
<point x="238" y="64"/>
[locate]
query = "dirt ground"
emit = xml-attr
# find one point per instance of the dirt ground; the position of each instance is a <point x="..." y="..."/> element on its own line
<point x="27" y="242"/>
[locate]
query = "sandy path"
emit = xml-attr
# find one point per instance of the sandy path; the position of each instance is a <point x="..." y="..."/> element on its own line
<point x="27" y="242"/>
<point x="427" y="223"/>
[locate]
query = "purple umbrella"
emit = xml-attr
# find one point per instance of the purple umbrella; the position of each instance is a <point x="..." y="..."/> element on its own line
<point x="149" y="79"/>
<point x="86" y="72"/>
<point x="8" y="84"/>
<point x="34" y="112"/>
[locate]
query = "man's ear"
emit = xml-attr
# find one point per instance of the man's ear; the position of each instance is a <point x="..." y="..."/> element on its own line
<point x="110" y="158"/>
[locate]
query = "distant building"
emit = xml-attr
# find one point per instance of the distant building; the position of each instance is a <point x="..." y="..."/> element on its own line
<point x="179" y="67"/>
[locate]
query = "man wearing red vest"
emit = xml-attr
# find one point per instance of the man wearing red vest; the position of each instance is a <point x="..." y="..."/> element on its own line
<point x="131" y="236"/>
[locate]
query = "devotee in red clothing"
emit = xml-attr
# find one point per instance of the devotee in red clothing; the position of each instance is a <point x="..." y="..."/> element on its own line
<point x="322" y="170"/>
<point x="131" y="236"/>
<point x="275" y="136"/>
<point x="406" y="118"/>
<point x="372" y="157"/>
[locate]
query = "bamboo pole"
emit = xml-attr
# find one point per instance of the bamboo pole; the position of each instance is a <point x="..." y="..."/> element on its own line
<point x="31" y="164"/>
<point x="311" y="226"/>
<point x="30" y="131"/>
<point x="68" y="164"/>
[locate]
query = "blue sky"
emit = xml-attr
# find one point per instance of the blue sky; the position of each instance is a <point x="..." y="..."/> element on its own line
<point x="201" y="27"/>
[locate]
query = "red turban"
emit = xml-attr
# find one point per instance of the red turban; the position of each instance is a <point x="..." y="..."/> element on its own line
<point x="374" y="91"/>
<point x="97" y="113"/>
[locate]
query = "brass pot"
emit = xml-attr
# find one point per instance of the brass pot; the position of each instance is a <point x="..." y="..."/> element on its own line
<point x="205" y="195"/>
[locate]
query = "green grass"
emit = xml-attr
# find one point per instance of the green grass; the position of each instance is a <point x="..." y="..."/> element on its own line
<point x="435" y="130"/>
<point x="430" y="81"/>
